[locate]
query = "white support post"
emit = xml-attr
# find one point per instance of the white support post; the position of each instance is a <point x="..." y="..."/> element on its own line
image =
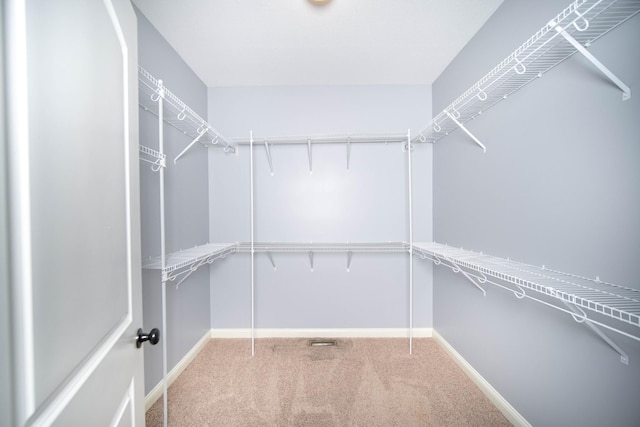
<point x="461" y="126"/>
<point x="311" y="260"/>
<point x="253" y="347"/>
<point x="182" y="153"/>
<point x="410" y="179"/>
<point x="349" y="256"/>
<point x="626" y="91"/>
<point x="163" y="256"/>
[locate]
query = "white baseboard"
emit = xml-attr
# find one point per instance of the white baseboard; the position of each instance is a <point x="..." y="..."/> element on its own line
<point x="496" y="398"/>
<point x="156" y="392"/>
<point x="323" y="333"/>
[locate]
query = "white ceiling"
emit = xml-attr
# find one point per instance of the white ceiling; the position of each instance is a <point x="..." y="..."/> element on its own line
<point x="293" y="42"/>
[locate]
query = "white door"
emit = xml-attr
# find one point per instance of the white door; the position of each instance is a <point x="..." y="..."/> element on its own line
<point x="74" y="212"/>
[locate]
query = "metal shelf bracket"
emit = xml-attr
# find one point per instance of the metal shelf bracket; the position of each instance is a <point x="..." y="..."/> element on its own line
<point x="201" y="132"/>
<point x="581" y="317"/>
<point x="273" y="264"/>
<point x="626" y="91"/>
<point x="268" y="150"/>
<point x="461" y="126"/>
<point x="458" y="269"/>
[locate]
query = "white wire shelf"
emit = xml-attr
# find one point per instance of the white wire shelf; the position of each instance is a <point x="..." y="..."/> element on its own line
<point x="610" y="300"/>
<point x="177" y="113"/>
<point x="583" y="20"/>
<point x="326" y="139"/>
<point x="189" y="258"/>
<point x="150" y="155"/>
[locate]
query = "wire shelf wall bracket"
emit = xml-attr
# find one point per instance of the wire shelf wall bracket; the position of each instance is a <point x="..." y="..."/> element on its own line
<point x="581" y="317"/>
<point x="572" y="30"/>
<point x="626" y="91"/>
<point x="310" y="141"/>
<point x="579" y="295"/>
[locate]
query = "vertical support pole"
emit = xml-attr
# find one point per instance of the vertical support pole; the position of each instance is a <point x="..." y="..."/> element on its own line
<point x="410" y="179"/>
<point x="253" y="346"/>
<point x="163" y="255"/>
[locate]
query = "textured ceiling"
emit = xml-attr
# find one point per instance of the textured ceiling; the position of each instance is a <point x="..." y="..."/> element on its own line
<point x="293" y="42"/>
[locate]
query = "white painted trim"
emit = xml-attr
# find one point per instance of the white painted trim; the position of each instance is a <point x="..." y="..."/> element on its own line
<point x="496" y="398"/>
<point x="323" y="333"/>
<point x="156" y="392"/>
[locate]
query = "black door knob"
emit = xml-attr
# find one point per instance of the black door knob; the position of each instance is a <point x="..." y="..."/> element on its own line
<point x="153" y="337"/>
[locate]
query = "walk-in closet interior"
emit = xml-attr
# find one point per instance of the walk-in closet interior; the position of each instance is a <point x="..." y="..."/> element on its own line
<point x="494" y="207"/>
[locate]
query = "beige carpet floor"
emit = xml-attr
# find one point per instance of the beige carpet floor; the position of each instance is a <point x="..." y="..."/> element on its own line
<point x="359" y="382"/>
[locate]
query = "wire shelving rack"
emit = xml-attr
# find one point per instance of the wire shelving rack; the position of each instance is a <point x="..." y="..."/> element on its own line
<point x="178" y="114"/>
<point x="577" y="293"/>
<point x="571" y="31"/>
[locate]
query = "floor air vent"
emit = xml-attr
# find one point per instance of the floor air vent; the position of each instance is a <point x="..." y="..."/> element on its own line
<point x="323" y="343"/>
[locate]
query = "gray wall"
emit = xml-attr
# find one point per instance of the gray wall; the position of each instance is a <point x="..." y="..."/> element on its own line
<point x="5" y="331"/>
<point x="366" y="203"/>
<point x="186" y="193"/>
<point x="558" y="186"/>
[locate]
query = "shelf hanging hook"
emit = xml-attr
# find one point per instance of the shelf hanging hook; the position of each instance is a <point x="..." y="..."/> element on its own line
<point x="521" y="294"/>
<point x="156" y="96"/>
<point x="519" y="68"/>
<point x="422" y="138"/>
<point x="482" y="95"/>
<point x="157" y="165"/>
<point x="436" y="127"/>
<point x="182" y="114"/>
<point x="584" y="20"/>
<point x="580" y="317"/>
<point x="455" y="113"/>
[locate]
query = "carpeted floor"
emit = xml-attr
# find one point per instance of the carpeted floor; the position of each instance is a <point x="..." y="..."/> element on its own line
<point x="359" y="382"/>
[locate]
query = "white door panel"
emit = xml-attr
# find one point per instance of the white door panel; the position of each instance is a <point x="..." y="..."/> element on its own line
<point x="73" y="153"/>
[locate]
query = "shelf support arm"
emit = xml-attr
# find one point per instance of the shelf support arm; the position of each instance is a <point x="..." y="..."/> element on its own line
<point x="581" y="317"/>
<point x="311" y="260"/>
<point x="182" y="153"/>
<point x="626" y="91"/>
<point x="461" y="126"/>
<point x="458" y="269"/>
<point x="268" y="149"/>
<point x="349" y="256"/>
<point x="273" y="264"/>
